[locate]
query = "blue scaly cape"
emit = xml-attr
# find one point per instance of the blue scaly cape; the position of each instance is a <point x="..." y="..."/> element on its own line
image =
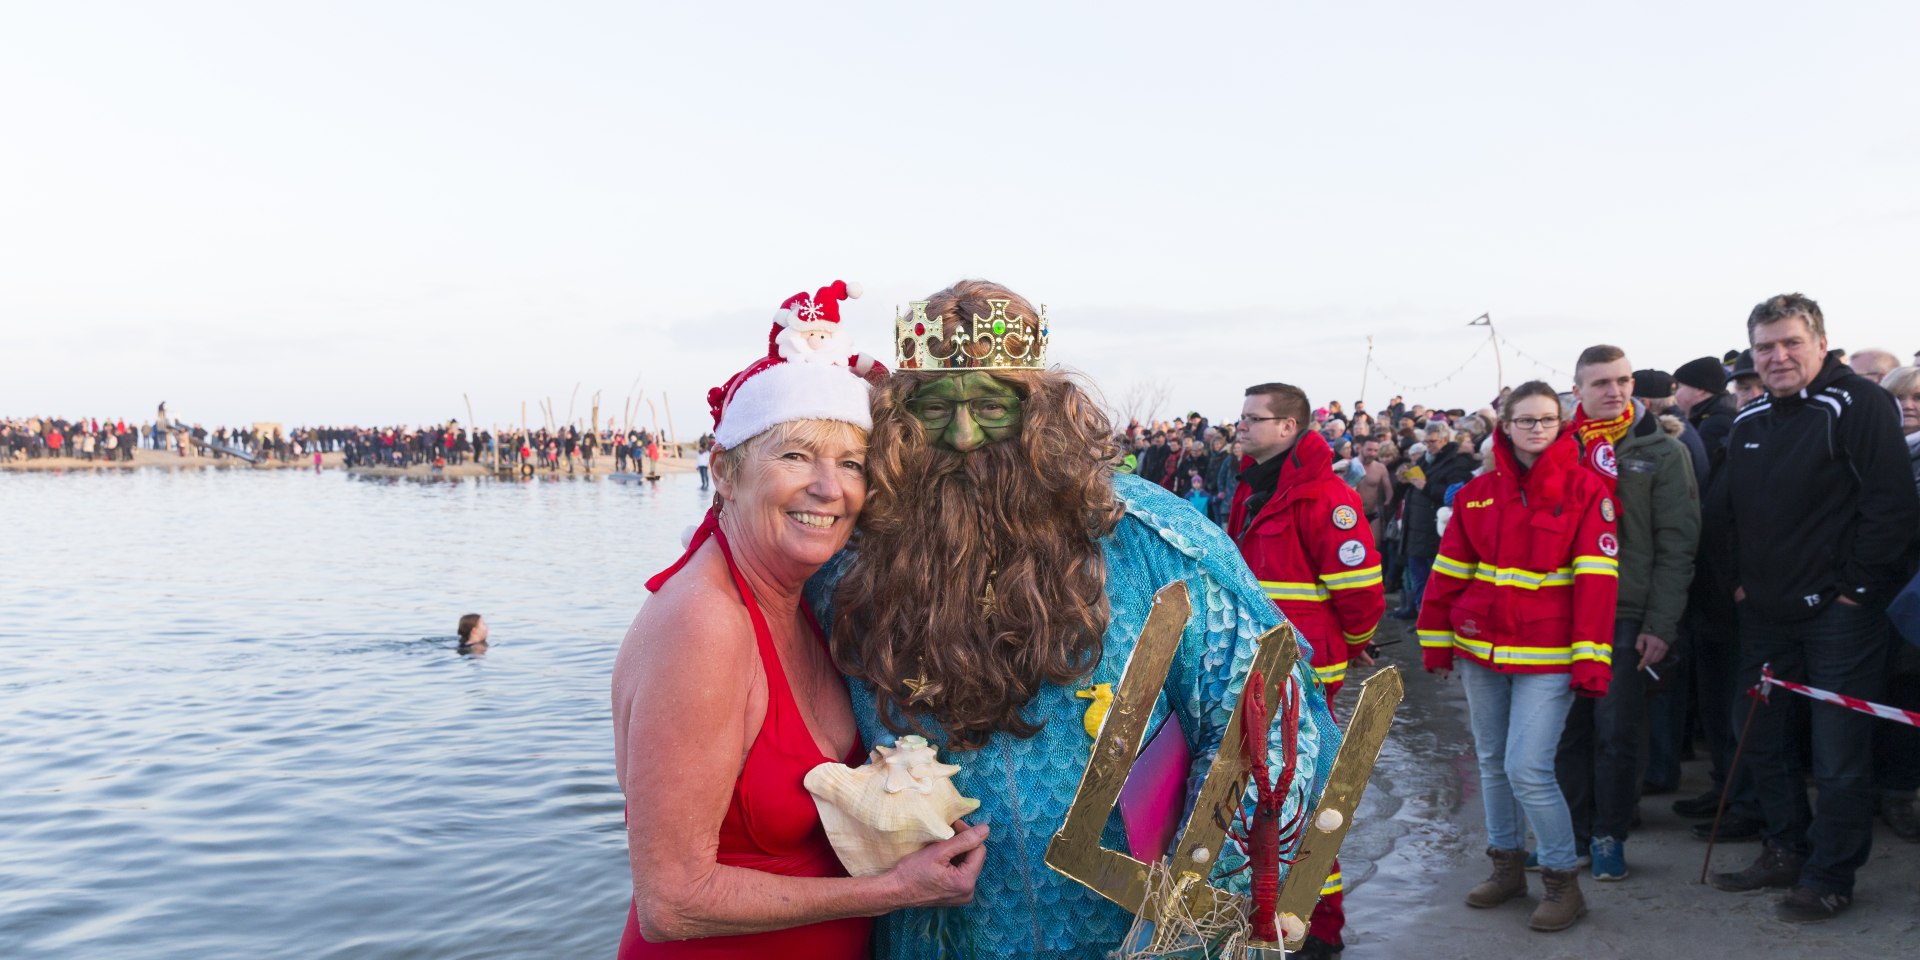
<point x="1021" y="907"/>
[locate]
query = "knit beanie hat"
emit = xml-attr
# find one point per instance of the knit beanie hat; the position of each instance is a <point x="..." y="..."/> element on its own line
<point x="1652" y="384"/>
<point x="1706" y="373"/>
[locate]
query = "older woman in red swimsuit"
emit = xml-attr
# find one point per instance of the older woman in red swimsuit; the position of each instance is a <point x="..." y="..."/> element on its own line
<point x="724" y="694"/>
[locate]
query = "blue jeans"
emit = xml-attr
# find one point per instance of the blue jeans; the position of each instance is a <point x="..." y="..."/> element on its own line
<point x="1418" y="569"/>
<point x="1516" y="721"/>
<point x="1842" y="649"/>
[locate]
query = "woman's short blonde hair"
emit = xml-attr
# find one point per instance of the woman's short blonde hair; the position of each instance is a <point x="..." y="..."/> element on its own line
<point x="813" y="434"/>
<point x="1901" y="381"/>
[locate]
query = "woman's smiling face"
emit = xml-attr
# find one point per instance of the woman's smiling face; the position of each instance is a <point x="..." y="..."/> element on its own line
<point x="797" y="491"/>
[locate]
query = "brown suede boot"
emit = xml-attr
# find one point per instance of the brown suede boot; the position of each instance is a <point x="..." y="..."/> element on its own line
<point x="1509" y="879"/>
<point x="1560" y="902"/>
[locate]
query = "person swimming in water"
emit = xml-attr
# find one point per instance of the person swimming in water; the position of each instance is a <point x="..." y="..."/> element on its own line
<point x="473" y="634"/>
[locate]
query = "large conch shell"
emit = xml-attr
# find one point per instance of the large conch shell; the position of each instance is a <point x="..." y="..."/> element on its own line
<point x="900" y="800"/>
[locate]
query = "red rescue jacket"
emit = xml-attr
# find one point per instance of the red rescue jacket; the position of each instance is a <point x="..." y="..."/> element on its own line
<point x="1312" y="550"/>
<point x="1527" y="572"/>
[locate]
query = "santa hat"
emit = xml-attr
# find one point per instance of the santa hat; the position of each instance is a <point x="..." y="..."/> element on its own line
<point x="823" y="307"/>
<point x="774" y="389"/>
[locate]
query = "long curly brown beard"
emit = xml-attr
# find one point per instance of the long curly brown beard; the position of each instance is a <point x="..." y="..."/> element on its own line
<point x="1027" y="512"/>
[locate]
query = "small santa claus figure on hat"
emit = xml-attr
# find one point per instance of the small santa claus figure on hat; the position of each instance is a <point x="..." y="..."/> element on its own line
<point x="807" y="329"/>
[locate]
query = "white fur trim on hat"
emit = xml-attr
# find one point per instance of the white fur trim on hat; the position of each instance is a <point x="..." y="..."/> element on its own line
<point x="793" y="391"/>
<point x="854" y="290"/>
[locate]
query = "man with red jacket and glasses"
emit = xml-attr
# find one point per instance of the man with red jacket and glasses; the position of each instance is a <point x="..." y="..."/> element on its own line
<point x="1304" y="535"/>
<point x="1523" y="592"/>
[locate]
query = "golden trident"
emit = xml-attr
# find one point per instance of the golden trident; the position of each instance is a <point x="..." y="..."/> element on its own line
<point x="1075" y="850"/>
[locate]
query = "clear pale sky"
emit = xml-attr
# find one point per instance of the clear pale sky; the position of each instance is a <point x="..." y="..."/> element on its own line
<point x="355" y="212"/>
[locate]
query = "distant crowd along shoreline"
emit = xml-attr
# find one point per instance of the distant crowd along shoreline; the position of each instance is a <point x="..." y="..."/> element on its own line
<point x="46" y="440"/>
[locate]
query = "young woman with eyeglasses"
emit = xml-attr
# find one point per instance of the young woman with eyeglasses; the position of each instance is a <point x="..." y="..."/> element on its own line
<point x="1523" y="593"/>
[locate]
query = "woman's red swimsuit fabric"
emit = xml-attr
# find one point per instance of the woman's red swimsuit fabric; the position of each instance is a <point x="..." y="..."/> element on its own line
<point x="771" y="824"/>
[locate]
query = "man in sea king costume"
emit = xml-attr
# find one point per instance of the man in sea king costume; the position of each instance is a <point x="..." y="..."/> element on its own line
<point x="1002" y="573"/>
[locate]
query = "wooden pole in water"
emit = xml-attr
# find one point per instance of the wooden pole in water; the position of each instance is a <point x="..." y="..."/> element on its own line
<point x="473" y="429"/>
<point x="668" y="403"/>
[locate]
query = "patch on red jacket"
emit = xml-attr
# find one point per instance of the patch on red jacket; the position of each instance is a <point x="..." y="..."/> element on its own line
<point x="1606" y="509"/>
<point x="1609" y="545"/>
<point x="1345" y="517"/>
<point x="1353" y="553"/>
<point x="1603" y="459"/>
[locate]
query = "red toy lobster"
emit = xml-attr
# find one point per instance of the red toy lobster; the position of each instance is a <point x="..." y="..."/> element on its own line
<point x="1263" y="835"/>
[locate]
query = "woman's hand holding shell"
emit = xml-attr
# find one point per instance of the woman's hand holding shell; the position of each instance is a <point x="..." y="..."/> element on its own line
<point x="942" y="874"/>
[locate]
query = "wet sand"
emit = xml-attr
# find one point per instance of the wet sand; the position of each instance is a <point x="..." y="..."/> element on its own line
<point x="1419" y="841"/>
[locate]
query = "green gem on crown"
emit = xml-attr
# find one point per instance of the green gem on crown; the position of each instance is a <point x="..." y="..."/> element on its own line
<point x="999" y="326"/>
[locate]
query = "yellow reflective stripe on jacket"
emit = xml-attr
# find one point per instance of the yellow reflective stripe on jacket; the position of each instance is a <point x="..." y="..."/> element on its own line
<point x="1332" y="673"/>
<point x="1522" y="578"/>
<point x="1352" y="579"/>
<point x="1333" y="885"/>
<point x="1602" y="566"/>
<point x="1361" y="638"/>
<point x="1436" y="638"/>
<point x="1588" y="650"/>
<point x="1283" y="590"/>
<point x="1452" y="568"/>
<point x="1518" y="656"/>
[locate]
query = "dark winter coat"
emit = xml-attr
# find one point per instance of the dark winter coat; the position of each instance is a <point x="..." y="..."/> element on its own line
<point x="1821" y="498"/>
<point x="1449" y="467"/>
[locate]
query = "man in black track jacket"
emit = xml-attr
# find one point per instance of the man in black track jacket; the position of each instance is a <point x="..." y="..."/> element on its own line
<point x="1824" y="519"/>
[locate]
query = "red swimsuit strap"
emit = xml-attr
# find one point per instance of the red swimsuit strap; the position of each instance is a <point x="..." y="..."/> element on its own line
<point x="779" y="691"/>
<point x="762" y="634"/>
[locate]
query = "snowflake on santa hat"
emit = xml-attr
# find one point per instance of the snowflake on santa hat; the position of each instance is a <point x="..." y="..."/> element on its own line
<point x="807" y="329"/>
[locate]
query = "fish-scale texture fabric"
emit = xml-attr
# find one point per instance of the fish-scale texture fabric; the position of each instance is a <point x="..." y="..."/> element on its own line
<point x="1021" y="907"/>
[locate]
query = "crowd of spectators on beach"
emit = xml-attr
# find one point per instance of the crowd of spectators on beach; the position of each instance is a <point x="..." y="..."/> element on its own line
<point x="555" y="450"/>
<point x="89" y="440"/>
<point x="1694" y="621"/>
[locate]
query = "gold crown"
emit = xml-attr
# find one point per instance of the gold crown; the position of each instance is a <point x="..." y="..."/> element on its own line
<point x="993" y="342"/>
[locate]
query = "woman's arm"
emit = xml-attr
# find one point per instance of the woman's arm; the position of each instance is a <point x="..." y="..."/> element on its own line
<point x="682" y="693"/>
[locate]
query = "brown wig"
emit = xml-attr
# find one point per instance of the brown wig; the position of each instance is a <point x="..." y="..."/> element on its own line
<point x="1025" y="514"/>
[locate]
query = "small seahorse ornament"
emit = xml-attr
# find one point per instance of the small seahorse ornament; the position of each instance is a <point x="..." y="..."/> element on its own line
<point x="1102" y="696"/>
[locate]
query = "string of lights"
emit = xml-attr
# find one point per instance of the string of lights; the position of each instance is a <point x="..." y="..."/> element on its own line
<point x="1536" y="361"/>
<point x="1413" y="388"/>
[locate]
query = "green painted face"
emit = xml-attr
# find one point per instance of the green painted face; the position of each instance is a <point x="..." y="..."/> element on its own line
<point x="966" y="411"/>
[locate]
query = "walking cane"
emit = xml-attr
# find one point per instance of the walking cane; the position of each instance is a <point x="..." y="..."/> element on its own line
<point x="1757" y="694"/>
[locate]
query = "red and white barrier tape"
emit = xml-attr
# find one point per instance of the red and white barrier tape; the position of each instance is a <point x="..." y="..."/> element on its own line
<point x="1884" y="712"/>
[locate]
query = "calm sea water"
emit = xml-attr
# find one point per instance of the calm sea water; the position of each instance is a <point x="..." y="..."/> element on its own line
<point x="232" y="723"/>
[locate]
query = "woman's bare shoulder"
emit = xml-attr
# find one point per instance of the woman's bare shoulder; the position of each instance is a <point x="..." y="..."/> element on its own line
<point x="695" y="628"/>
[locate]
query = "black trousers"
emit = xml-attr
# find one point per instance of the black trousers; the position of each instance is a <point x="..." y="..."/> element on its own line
<point x="1602" y="754"/>
<point x="1842" y="649"/>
